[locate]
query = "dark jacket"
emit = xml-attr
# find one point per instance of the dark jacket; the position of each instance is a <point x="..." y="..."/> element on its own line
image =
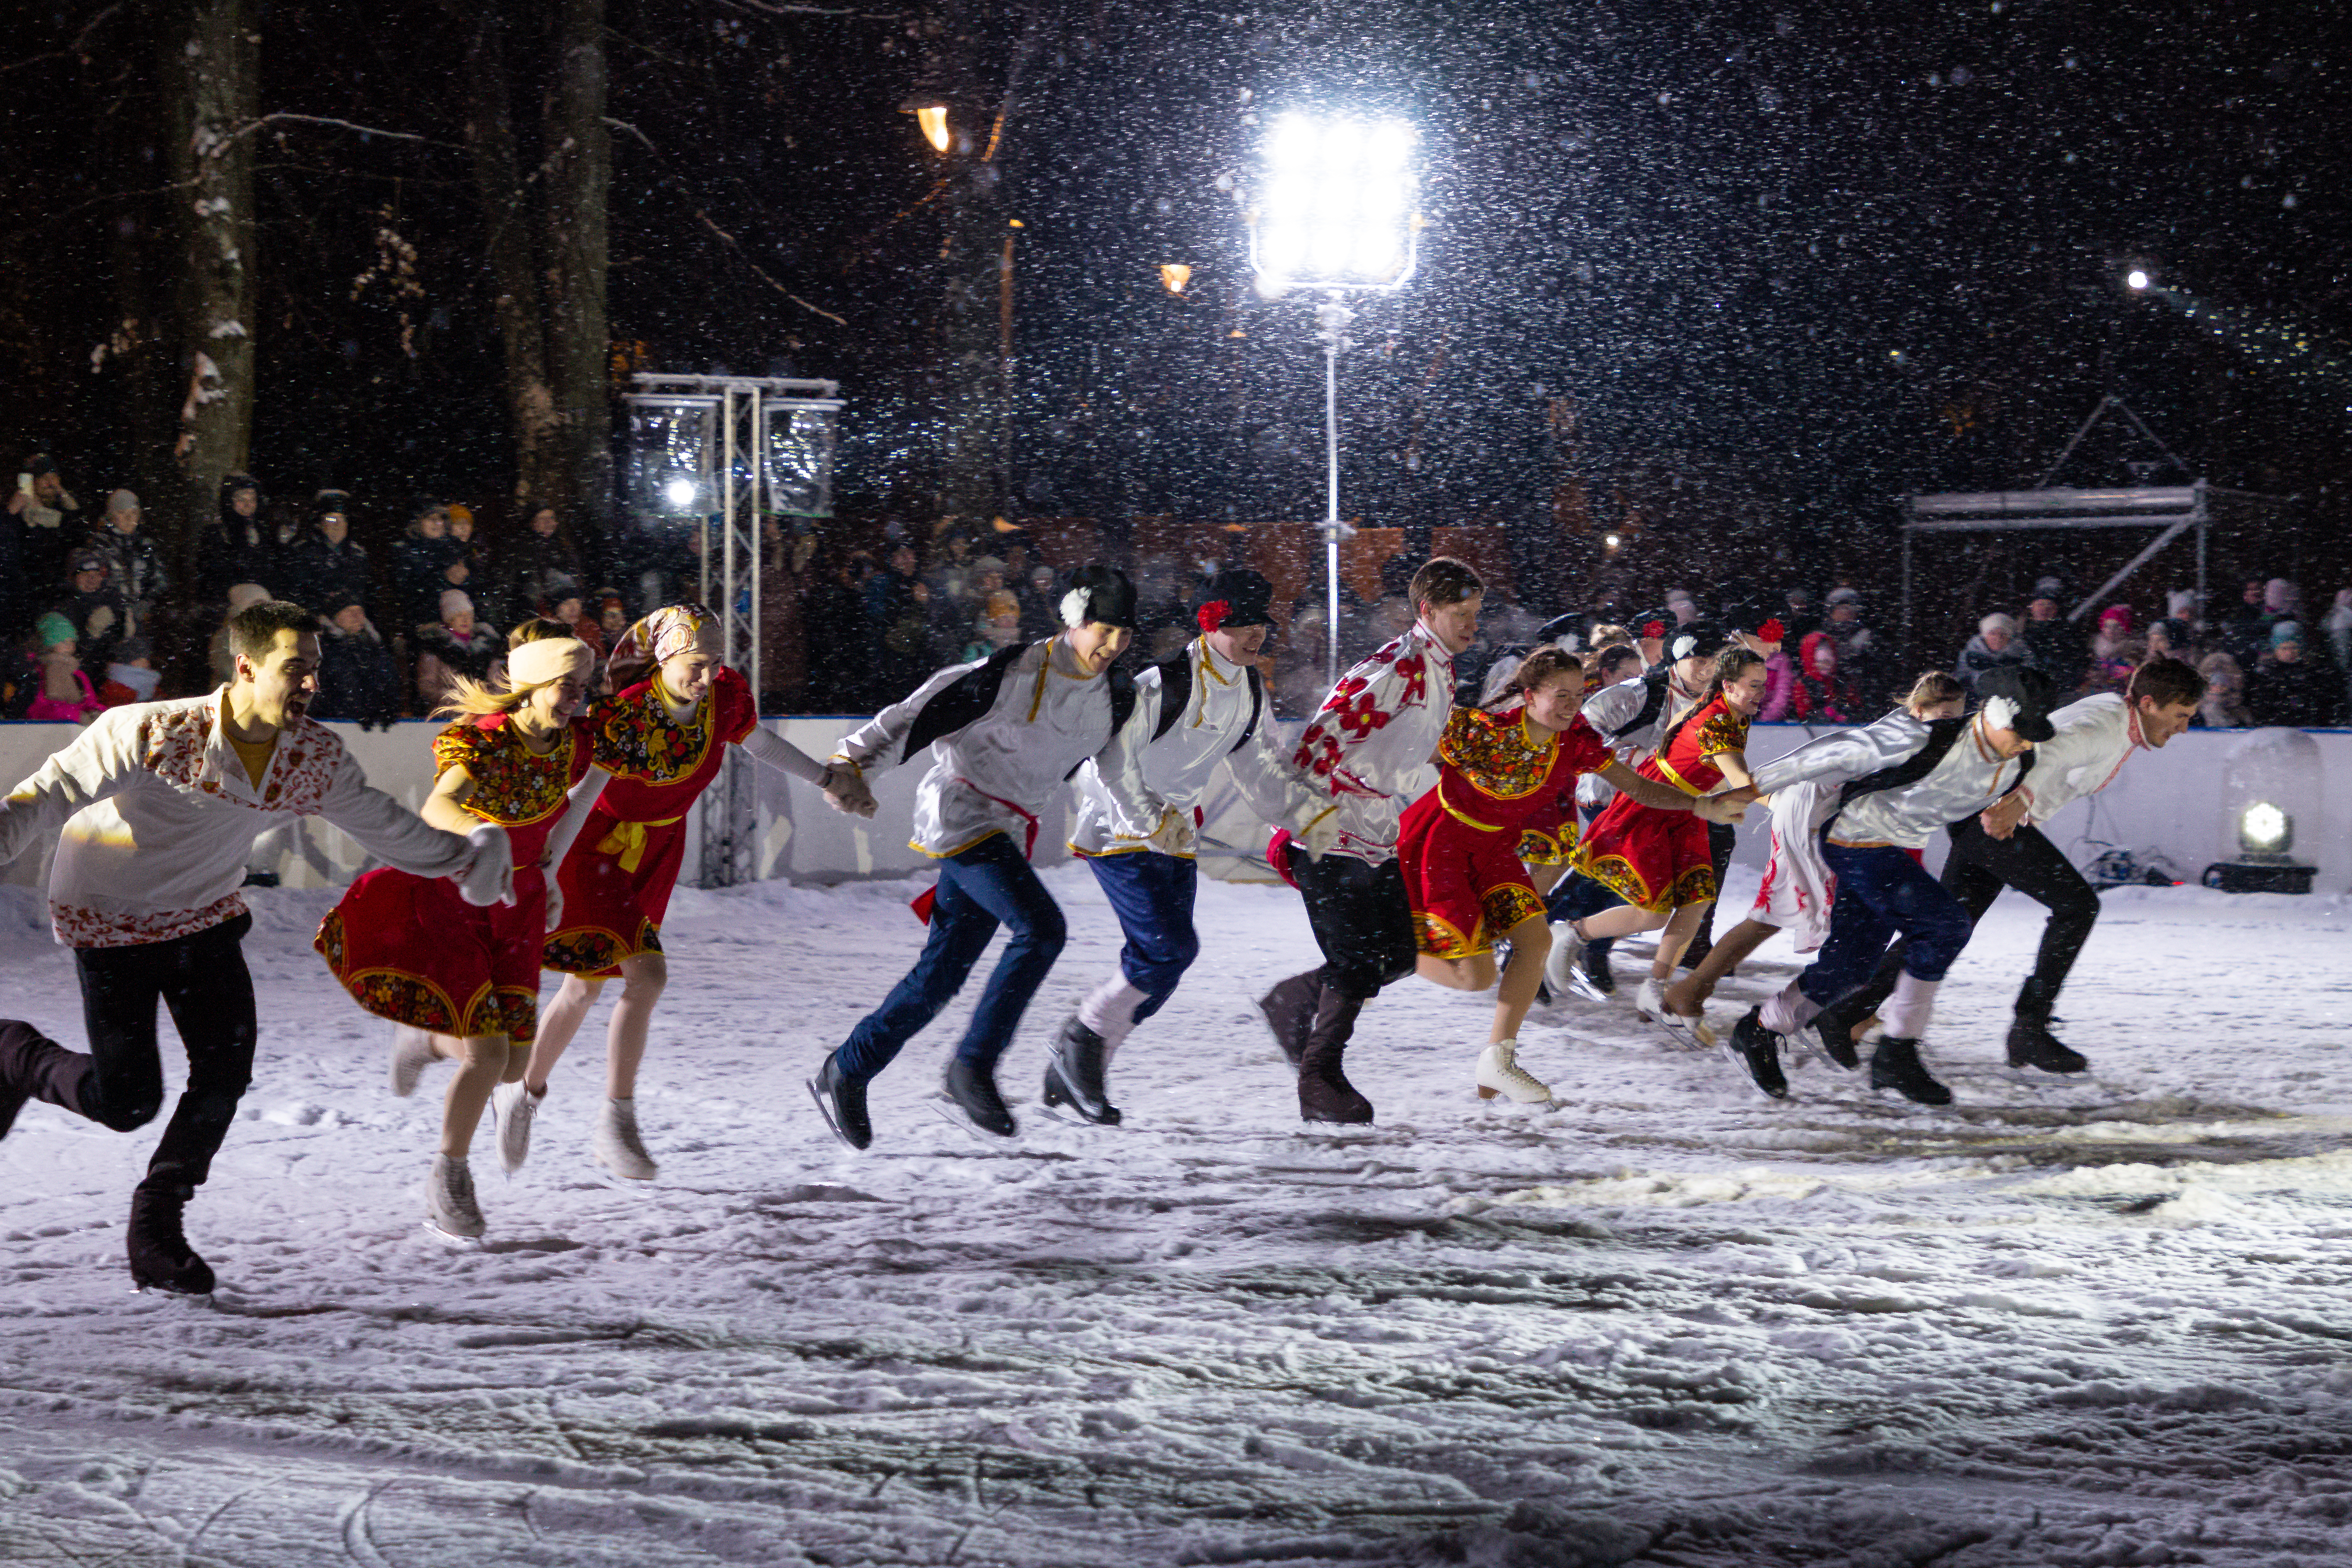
<point x="418" y="564"/>
<point x="134" y="569"/>
<point x="533" y="566"/>
<point x="322" y="573"/>
<point x="2059" y="648"/>
<point x="1977" y="658"/>
<point x="358" y="677"/>
<point x="2306" y="695"/>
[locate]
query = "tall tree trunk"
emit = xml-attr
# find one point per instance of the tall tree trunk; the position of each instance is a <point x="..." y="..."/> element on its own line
<point x="580" y="178"/>
<point x="212" y="56"/>
<point x="511" y="236"/>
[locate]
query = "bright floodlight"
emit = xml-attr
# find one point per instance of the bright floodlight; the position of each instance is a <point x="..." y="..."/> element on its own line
<point x="2265" y="829"/>
<point x="1336" y="204"/>
<point x="680" y="492"/>
<point x="2136" y="280"/>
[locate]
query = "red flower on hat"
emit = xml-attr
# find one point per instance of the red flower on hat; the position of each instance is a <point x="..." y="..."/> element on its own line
<point x="1654" y="629"/>
<point x="1771" y="631"/>
<point x="1212" y="614"/>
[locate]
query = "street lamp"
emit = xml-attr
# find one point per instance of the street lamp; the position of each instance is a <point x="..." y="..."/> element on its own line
<point x="1335" y="212"/>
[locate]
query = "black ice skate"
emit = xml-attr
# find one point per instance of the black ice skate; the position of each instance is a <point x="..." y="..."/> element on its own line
<point x="1074" y="1075"/>
<point x="842" y="1101"/>
<point x="1834" y="1025"/>
<point x="1289" y="1010"/>
<point x="973" y="1091"/>
<point x="161" y="1257"/>
<point x="1757" y="1049"/>
<point x="2032" y="1045"/>
<point x="1895" y="1065"/>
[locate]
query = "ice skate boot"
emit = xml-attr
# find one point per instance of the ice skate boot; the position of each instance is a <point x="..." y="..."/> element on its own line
<point x="1074" y="1075"/>
<point x="1324" y="1092"/>
<point x="618" y="1148"/>
<point x="973" y="1090"/>
<point x="1756" y="1051"/>
<point x="450" y="1211"/>
<point x="2032" y="1045"/>
<point x="1591" y="977"/>
<point x="1895" y="1065"/>
<point x="1560" y="962"/>
<point x="842" y="1100"/>
<point x="412" y="1053"/>
<point x="511" y="1109"/>
<point x="1290" y="1012"/>
<point x="1689" y="1031"/>
<point x="1830" y="1033"/>
<point x="1499" y="1072"/>
<point x="161" y="1257"/>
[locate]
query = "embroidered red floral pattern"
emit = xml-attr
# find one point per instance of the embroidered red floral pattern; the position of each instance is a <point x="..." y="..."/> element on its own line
<point x="512" y="786"/>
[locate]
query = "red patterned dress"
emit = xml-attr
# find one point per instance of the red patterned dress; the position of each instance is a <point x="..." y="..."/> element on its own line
<point x="1498" y="779"/>
<point x="617" y="880"/>
<point x="1657" y="859"/>
<point x="410" y="949"/>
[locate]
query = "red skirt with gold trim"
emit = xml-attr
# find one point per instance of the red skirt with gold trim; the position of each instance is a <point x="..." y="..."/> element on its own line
<point x="1658" y="860"/>
<point x="410" y="949"/>
<point x="1466" y="886"/>
<point x="616" y="884"/>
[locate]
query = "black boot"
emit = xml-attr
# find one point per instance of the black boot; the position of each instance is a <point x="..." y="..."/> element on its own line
<point x="1593" y="968"/>
<point x="842" y="1099"/>
<point x="1324" y="1092"/>
<point x="1835" y="1025"/>
<point x="1895" y="1065"/>
<point x="1757" y="1050"/>
<point x="161" y="1257"/>
<point x="1289" y="1010"/>
<point x="973" y="1089"/>
<point x="1074" y="1074"/>
<point x="34" y="1067"/>
<point x="2032" y="1045"/>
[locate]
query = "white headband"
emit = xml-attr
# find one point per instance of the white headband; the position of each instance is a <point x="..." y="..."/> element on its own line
<point x="549" y="660"/>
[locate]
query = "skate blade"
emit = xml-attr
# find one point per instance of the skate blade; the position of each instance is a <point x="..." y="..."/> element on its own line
<point x="947" y="1107"/>
<point x="1069" y="1116"/>
<point x="451" y="1238"/>
<point x="1738" y="1064"/>
<point x="606" y="1176"/>
<point x="1689" y="1035"/>
<point x="826" y="1112"/>
<point x="170" y="1292"/>
<point x="1498" y="1103"/>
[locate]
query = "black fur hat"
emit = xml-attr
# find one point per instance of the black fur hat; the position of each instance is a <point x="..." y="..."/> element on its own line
<point x="1247" y="598"/>
<point x="2032" y="692"/>
<point x="1100" y="593"/>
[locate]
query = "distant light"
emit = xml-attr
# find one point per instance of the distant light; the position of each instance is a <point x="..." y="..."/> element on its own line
<point x="2137" y="280"/>
<point x="1174" y="274"/>
<point x="681" y="492"/>
<point x="2265" y="829"/>
<point x="1610" y="542"/>
<point x="933" y="119"/>
<point x="1336" y="204"/>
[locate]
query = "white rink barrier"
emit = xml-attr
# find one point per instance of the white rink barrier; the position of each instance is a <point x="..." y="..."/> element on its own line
<point x="2169" y="803"/>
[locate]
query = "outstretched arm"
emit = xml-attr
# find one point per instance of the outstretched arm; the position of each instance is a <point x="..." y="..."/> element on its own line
<point x="103" y="760"/>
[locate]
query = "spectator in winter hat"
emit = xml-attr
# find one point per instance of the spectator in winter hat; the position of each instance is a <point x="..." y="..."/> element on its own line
<point x="2224" y="705"/>
<point x="134" y="562"/>
<point x="358" y="677"/>
<point x="2115" y="651"/>
<point x="64" y="694"/>
<point x="51" y="521"/>
<point x="2170" y="639"/>
<point x="1994" y="647"/>
<point x="233" y="547"/>
<point x="1799" y="616"/>
<point x="2053" y="645"/>
<point x="452" y="646"/>
<point x="2287" y="688"/>
<point x="95" y="607"/>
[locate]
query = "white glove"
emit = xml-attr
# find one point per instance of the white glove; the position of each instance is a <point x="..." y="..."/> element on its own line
<point x="488" y="877"/>
<point x="846" y="791"/>
<point x="1174" y="834"/>
<point x="1718" y="808"/>
<point x="554" y="902"/>
<point x="1320" y="834"/>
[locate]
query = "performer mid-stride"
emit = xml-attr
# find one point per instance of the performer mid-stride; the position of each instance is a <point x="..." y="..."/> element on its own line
<point x="664" y="737"/>
<point x="160" y="803"/>
<point x="1200" y="711"/>
<point x="1007" y="732"/>
<point x="1365" y="751"/>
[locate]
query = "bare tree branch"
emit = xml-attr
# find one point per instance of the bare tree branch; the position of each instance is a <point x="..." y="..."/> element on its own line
<point x="72" y="51"/>
<point x="250" y="126"/>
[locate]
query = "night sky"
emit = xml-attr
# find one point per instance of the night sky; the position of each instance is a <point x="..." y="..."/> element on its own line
<point x="1748" y="272"/>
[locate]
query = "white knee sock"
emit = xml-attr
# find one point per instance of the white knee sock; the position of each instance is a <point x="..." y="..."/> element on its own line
<point x="1109" y="1010"/>
<point x="1789" y="1011"/>
<point x="1905" y="1013"/>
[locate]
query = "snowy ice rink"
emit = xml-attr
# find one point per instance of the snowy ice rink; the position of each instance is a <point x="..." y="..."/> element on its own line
<point x="1670" y="1322"/>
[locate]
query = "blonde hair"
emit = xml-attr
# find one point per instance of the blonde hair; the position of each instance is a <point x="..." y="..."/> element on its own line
<point x="471" y="698"/>
<point x="1932" y="686"/>
<point x="1609" y="634"/>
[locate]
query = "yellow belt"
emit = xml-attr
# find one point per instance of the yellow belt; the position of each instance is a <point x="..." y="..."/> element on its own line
<point x="1463" y="818"/>
<point x="1676" y="778"/>
<point x="627" y="841"/>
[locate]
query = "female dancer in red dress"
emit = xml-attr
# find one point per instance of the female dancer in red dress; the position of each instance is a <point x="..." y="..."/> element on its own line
<point x="664" y="738"/>
<point x="1505" y="778"/>
<point x="461" y="981"/>
<point x="1659" y="861"/>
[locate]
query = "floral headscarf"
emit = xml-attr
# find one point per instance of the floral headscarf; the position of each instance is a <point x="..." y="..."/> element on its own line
<point x="670" y="631"/>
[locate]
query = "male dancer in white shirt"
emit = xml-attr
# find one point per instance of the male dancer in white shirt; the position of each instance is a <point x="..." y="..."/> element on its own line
<point x="160" y="803"/>
<point x="1202" y="710"/>
<point x="1367" y="752"/>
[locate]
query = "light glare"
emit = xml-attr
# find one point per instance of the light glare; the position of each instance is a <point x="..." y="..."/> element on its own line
<point x="933" y="119"/>
<point x="1337" y="199"/>
<point x="680" y="492"/>
<point x="2137" y="280"/>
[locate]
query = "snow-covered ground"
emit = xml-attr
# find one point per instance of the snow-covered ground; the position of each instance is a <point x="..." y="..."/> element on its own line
<point x="1670" y="1322"/>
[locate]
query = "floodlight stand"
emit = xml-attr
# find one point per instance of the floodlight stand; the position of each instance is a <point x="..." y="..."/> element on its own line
<point x="1332" y="318"/>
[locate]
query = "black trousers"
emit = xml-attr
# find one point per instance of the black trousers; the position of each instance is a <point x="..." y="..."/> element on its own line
<point x="1977" y="869"/>
<point x="204" y="980"/>
<point x="1362" y="920"/>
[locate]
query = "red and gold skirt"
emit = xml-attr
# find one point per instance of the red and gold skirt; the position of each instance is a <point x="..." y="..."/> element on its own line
<point x="410" y="949"/>
<point x="616" y="884"/>
<point x="1657" y="860"/>
<point x="1467" y="884"/>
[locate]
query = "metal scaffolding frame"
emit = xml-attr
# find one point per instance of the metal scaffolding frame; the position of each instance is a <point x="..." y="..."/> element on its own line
<point x="744" y="468"/>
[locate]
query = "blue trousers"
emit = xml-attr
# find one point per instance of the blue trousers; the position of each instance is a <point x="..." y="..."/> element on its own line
<point x="1578" y="896"/>
<point x="979" y="889"/>
<point x="1152" y="894"/>
<point x="1882" y="893"/>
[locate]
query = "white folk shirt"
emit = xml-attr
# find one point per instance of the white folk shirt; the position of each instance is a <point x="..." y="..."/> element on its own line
<point x="1173" y="773"/>
<point x="158" y="816"/>
<point x="1613" y="707"/>
<point x="1000" y="771"/>
<point x="1968" y="779"/>
<point x="2093" y="738"/>
<point x="1368" y="748"/>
